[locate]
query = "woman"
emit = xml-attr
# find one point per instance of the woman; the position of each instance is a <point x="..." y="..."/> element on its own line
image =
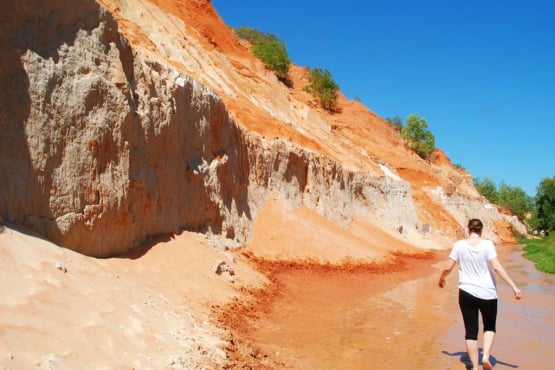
<point x="477" y="258"/>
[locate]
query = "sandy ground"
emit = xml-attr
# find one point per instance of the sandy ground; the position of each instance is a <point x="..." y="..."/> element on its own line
<point x="147" y="310"/>
<point x="295" y="302"/>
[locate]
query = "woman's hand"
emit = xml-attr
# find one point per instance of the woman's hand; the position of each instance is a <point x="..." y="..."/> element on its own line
<point x="449" y="264"/>
<point x="441" y="282"/>
<point x="517" y="292"/>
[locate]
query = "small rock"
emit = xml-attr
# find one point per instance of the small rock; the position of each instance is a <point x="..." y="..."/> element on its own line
<point x="218" y="268"/>
<point x="222" y="267"/>
<point x="230" y="278"/>
<point x="60" y="266"/>
<point x="230" y="256"/>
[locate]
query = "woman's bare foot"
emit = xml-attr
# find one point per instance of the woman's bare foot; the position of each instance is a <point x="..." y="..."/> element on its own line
<point x="487" y="364"/>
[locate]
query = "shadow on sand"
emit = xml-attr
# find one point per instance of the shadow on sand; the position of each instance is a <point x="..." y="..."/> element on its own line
<point x="143" y="248"/>
<point x="463" y="358"/>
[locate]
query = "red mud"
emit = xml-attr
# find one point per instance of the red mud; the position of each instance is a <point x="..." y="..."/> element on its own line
<point x="324" y="316"/>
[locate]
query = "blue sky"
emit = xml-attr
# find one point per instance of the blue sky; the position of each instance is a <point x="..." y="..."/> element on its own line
<point x="482" y="73"/>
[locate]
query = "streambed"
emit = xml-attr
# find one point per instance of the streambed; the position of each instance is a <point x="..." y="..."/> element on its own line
<point x="400" y="319"/>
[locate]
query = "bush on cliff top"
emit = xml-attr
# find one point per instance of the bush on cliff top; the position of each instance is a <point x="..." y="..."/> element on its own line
<point x="269" y="49"/>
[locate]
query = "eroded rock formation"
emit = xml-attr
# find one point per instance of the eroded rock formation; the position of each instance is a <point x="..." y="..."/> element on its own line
<point x="105" y="143"/>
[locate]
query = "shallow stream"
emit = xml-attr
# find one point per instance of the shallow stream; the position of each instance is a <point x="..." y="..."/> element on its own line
<point x="345" y="320"/>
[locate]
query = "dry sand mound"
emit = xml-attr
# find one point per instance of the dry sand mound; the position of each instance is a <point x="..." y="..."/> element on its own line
<point x="150" y="310"/>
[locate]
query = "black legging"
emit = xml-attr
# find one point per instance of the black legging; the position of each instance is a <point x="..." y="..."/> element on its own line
<point x="470" y="306"/>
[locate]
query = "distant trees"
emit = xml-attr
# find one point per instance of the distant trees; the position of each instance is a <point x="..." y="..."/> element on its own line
<point x="323" y="88"/>
<point x="545" y="204"/>
<point x="515" y="199"/>
<point x="418" y="135"/>
<point x="487" y="188"/>
<point x="271" y="50"/>
<point x="541" y="208"/>
<point x="511" y="197"/>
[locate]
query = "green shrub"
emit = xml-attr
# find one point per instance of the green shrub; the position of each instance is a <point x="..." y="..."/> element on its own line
<point x="396" y="122"/>
<point x="269" y="49"/>
<point x="273" y="54"/>
<point x="323" y="88"/>
<point x="250" y="34"/>
<point x="418" y="136"/>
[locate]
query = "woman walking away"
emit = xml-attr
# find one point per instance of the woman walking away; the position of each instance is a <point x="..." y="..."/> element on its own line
<point x="477" y="258"/>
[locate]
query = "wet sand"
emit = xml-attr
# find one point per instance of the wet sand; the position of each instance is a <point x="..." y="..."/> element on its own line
<point x="326" y="319"/>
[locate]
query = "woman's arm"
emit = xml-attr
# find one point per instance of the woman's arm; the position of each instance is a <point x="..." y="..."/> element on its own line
<point x="448" y="267"/>
<point x="498" y="268"/>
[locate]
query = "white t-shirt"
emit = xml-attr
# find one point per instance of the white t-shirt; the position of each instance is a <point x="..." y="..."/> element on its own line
<point x="475" y="275"/>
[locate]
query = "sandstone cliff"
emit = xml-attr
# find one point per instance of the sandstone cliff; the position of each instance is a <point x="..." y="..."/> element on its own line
<point x="126" y="119"/>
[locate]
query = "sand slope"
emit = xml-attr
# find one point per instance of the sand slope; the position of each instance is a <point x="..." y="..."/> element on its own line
<point x="120" y="313"/>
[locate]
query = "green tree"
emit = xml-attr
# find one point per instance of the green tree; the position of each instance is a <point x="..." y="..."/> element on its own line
<point x="418" y="136"/>
<point x="515" y="199"/>
<point x="323" y="87"/>
<point x="545" y="204"/>
<point x="396" y="122"/>
<point x="487" y="188"/>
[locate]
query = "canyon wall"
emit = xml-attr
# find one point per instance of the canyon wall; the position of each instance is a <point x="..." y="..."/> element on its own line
<point x="103" y="146"/>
